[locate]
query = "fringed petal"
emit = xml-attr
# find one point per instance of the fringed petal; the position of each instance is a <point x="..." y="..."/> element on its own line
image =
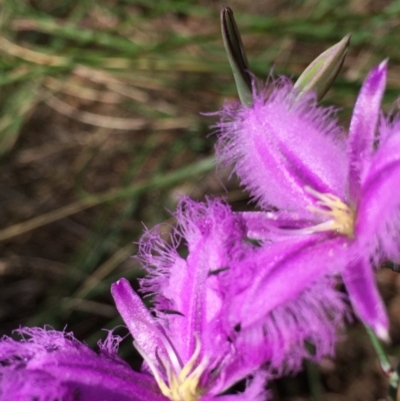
<point x="285" y="297"/>
<point x="302" y="328"/>
<point x="306" y="327"/>
<point x="278" y="148"/>
<point x="190" y="287"/>
<point x="364" y="295"/>
<point x="22" y="385"/>
<point x="48" y="365"/>
<point x="279" y="272"/>
<point x="363" y="127"/>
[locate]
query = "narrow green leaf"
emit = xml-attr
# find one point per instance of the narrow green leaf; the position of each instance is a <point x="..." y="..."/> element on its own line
<point x="321" y="73"/>
<point x="236" y="56"/>
<point x="17" y="106"/>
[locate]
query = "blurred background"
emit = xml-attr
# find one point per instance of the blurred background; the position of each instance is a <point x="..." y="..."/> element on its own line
<point x="101" y="131"/>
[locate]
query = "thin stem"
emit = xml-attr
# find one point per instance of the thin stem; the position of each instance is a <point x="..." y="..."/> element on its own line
<point x="387" y="368"/>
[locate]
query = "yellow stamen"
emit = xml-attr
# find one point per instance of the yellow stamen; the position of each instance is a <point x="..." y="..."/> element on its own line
<point x="341" y="215"/>
<point x="182" y="385"/>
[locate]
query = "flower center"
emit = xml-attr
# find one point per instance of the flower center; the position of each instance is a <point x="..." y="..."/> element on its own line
<point x="182" y="382"/>
<point x="341" y="216"/>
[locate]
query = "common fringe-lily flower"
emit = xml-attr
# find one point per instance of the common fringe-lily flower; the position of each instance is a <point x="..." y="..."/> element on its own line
<point x="186" y="357"/>
<point x="210" y="329"/>
<point x="182" y="342"/>
<point x="294" y="158"/>
<point x="212" y="299"/>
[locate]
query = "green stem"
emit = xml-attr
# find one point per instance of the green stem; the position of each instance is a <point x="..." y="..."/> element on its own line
<point x="383" y="359"/>
<point x="392" y="374"/>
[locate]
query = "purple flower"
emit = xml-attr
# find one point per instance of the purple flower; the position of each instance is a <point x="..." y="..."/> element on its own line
<point x="227" y="307"/>
<point x="222" y="315"/>
<point x="186" y="357"/>
<point x="292" y="156"/>
<point x="184" y="344"/>
<point x="279" y="146"/>
<point x="203" y="375"/>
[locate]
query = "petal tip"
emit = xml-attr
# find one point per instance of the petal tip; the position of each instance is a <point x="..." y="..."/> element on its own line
<point x="380" y="71"/>
<point x="115" y="285"/>
<point x="383" y="65"/>
<point x="376" y="78"/>
<point x="383" y="333"/>
<point x="122" y="282"/>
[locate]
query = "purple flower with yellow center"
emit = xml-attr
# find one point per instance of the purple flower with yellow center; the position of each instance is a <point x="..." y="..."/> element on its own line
<point x="183" y="346"/>
<point x="50" y="365"/>
<point x="210" y="306"/>
<point x="186" y="355"/>
<point x="201" y="375"/>
<point x="210" y="329"/>
<point x="291" y="156"/>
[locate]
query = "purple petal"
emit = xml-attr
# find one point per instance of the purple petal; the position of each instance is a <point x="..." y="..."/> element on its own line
<point x="378" y="214"/>
<point x="279" y="338"/>
<point x="278" y="148"/>
<point x="363" y="293"/>
<point x="47" y="365"/>
<point x="287" y="293"/>
<point x="138" y="319"/>
<point x="279" y="272"/>
<point x="189" y="288"/>
<point x="363" y="127"/>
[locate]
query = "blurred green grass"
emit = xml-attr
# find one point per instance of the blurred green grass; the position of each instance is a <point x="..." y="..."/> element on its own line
<point x="100" y="128"/>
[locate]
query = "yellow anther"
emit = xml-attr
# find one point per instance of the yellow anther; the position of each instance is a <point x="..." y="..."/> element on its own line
<point x="182" y="385"/>
<point x="341" y="216"/>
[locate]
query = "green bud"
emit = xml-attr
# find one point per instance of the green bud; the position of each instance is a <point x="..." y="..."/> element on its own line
<point x="236" y="56"/>
<point x="321" y="73"/>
